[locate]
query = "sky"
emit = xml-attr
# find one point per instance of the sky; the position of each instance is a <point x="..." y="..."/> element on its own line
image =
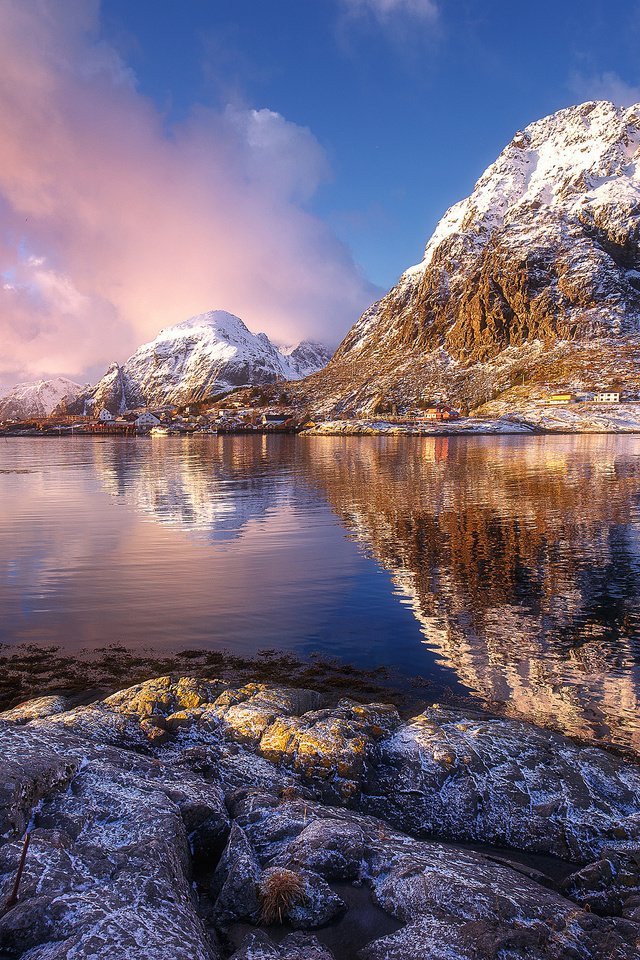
<point x="284" y="160"/>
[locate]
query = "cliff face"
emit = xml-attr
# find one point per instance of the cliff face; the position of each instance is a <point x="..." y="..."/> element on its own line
<point x="543" y="253"/>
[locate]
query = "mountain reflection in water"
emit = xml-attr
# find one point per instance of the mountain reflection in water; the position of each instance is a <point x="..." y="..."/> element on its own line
<point x="520" y="561"/>
<point x="514" y="560"/>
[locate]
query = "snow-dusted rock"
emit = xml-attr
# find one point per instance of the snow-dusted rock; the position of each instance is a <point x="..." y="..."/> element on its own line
<point x="318" y="908"/>
<point x="610" y="885"/>
<point x="234" y="886"/>
<point x="297" y="946"/>
<point x="37" y="399"/>
<point x="505" y="782"/>
<point x="109" y="867"/>
<point x="451" y="902"/>
<point x="355" y="426"/>
<point x="122" y="823"/>
<point x="35" y="709"/>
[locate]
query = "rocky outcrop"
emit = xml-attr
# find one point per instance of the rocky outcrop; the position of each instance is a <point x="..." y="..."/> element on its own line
<point x="108" y="872"/>
<point x="545" y="252"/>
<point x="164" y="820"/>
<point x="507" y="783"/>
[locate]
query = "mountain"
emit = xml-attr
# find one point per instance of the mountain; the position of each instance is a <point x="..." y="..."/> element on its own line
<point x="206" y="355"/>
<point x="305" y="358"/>
<point x="535" y="277"/>
<point x="37" y="399"/>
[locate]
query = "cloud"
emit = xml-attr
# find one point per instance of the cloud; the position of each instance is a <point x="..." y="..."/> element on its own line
<point x="385" y="10"/>
<point x="604" y="86"/>
<point x="113" y="224"/>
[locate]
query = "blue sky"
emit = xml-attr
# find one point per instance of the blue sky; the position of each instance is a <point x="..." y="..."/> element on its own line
<point x="410" y="100"/>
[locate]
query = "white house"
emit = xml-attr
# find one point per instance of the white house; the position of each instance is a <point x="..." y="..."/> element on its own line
<point x="105" y="416"/>
<point x="145" y="421"/>
<point x="612" y="397"/>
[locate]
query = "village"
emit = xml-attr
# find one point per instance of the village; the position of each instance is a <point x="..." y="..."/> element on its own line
<point x="157" y="421"/>
<point x="237" y="416"/>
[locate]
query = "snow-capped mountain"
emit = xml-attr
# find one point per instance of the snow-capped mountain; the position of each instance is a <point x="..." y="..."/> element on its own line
<point x="305" y="358"/>
<point x="37" y="399"/>
<point x="202" y="357"/>
<point x="544" y="252"/>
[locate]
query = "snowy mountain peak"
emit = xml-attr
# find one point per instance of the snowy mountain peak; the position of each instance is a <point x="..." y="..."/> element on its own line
<point x="541" y="261"/>
<point x="305" y="358"/>
<point x="579" y="160"/>
<point x="204" y="356"/>
<point x="37" y="399"/>
<point x="216" y="324"/>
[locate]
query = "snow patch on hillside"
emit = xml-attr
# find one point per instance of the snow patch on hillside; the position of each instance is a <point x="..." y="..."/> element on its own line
<point x="37" y="399"/>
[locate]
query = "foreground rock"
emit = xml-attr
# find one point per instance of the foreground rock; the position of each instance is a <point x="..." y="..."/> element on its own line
<point x="176" y="819"/>
<point x="506" y="782"/>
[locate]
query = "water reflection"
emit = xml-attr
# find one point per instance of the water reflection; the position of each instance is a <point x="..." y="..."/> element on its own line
<point x="519" y="559"/>
<point x="514" y="560"/>
<point x="214" y="488"/>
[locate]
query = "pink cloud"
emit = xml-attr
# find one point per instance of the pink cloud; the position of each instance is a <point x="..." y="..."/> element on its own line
<point x="112" y="226"/>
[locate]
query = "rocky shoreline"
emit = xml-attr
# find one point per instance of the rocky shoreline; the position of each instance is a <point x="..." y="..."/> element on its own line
<point x="193" y="820"/>
<point x="536" y="420"/>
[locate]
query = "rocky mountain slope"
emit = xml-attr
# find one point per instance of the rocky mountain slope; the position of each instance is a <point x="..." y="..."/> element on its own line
<point x="535" y="277"/>
<point x="206" y="355"/>
<point x="37" y="399"/>
<point x="305" y="358"/>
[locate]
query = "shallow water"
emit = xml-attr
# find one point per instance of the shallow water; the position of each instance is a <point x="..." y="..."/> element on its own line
<point x="503" y="566"/>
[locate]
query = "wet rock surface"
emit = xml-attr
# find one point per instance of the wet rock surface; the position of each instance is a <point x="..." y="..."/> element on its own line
<point x="178" y="818"/>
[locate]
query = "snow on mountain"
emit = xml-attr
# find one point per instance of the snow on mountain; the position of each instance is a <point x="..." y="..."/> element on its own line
<point x="544" y="252"/>
<point x="206" y="355"/>
<point x="37" y="399"/>
<point x="305" y="358"/>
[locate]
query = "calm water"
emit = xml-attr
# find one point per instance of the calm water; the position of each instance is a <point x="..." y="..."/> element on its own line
<point x="506" y="567"/>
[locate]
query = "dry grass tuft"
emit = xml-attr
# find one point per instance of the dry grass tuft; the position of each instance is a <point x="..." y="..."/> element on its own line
<point x="280" y="890"/>
<point x="289" y="793"/>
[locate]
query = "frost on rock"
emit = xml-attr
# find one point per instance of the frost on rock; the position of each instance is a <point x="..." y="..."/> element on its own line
<point x="506" y="782"/>
<point x="156" y="817"/>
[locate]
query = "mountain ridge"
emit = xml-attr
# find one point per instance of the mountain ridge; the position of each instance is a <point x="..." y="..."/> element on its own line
<point x="544" y="253"/>
<point x="37" y="398"/>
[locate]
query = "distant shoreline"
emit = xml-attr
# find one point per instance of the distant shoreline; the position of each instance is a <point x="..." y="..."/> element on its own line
<point x="471" y="427"/>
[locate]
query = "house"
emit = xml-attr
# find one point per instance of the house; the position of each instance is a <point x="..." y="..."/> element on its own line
<point x="105" y="416"/>
<point x="561" y="398"/>
<point x="145" y="421"/>
<point x="611" y="397"/>
<point x="275" y="419"/>
<point x="440" y="412"/>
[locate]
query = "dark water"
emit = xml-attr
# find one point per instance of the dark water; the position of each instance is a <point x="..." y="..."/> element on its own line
<point x="507" y="567"/>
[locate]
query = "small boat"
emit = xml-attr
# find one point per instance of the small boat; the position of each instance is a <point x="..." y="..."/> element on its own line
<point x="162" y="432"/>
